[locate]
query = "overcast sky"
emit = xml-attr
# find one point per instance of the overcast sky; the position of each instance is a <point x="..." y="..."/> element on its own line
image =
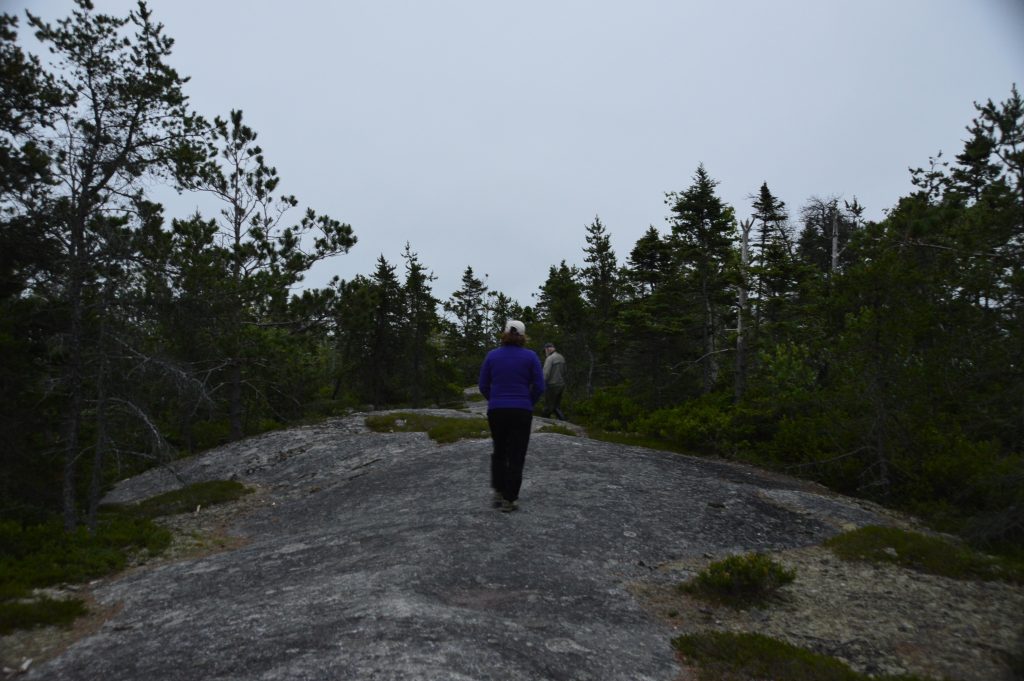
<point x="491" y="134"/>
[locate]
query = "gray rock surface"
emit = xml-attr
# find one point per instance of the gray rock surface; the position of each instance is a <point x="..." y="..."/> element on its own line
<point x="377" y="555"/>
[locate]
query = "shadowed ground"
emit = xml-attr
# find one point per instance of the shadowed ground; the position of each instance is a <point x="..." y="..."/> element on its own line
<point x="378" y="556"/>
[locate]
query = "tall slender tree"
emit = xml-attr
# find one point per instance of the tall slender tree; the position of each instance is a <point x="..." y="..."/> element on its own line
<point x="122" y="120"/>
<point x="601" y="289"/>
<point x="421" y="323"/>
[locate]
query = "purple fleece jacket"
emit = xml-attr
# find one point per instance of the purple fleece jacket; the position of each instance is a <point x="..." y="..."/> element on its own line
<point x="511" y="378"/>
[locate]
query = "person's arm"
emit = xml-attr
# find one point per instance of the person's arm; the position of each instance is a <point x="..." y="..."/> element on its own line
<point x="537" y="384"/>
<point x="484" y="382"/>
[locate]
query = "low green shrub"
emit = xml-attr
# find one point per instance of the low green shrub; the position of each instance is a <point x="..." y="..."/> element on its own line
<point x="209" y="434"/>
<point x="39" y="612"/>
<point x="703" y="425"/>
<point x="42" y="555"/>
<point x="725" y="656"/>
<point x="611" y="409"/>
<point x="441" y="429"/>
<point x="740" y="580"/>
<point x="933" y="555"/>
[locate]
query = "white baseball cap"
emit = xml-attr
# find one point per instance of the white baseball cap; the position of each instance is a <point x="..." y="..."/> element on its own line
<point x="515" y="325"/>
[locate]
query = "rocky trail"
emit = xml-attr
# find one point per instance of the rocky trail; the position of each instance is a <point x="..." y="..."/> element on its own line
<point x="377" y="555"/>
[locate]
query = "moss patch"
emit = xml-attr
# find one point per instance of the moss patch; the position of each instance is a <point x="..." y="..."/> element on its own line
<point x="932" y="555"/>
<point x="441" y="429"/>
<point x="743" y="657"/>
<point x="189" y="498"/>
<point x="557" y="429"/>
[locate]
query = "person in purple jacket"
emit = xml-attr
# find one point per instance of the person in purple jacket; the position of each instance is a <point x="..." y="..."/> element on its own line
<point x="512" y="381"/>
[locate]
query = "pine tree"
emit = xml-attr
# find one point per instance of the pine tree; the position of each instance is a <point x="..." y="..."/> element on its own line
<point x="121" y="121"/>
<point x="266" y="257"/>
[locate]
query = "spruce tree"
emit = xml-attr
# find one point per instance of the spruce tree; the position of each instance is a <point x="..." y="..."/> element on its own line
<point x="703" y="242"/>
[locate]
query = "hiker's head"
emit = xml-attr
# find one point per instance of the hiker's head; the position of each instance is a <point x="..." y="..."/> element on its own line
<point x="549" y="348"/>
<point x="514" y="333"/>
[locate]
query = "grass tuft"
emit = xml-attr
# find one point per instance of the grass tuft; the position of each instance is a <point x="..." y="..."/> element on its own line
<point x="725" y="656"/>
<point x="441" y="429"/>
<point x="923" y="553"/>
<point x="740" y="581"/>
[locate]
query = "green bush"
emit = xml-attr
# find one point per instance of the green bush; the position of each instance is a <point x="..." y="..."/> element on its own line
<point x="613" y="409"/>
<point x="209" y="434"/>
<point x="703" y="425"/>
<point x="39" y="612"/>
<point x="996" y="498"/>
<point x="42" y="555"/>
<point x="740" y="580"/>
<point x="725" y="656"/>
<point x="933" y="555"/>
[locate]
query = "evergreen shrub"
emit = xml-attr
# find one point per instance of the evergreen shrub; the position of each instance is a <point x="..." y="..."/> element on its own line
<point x="210" y="434"/>
<point x="702" y="425"/>
<point x="612" y="408"/>
<point x="740" y="580"/>
<point x="42" y="555"/>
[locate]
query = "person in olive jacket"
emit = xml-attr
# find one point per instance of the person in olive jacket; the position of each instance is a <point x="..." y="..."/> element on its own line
<point x="554" y="382"/>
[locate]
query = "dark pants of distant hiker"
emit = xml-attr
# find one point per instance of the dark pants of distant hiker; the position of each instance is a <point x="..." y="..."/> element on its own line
<point x="510" y="431"/>
<point x="553" y="401"/>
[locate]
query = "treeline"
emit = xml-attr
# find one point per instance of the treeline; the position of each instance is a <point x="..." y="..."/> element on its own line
<point x="130" y="337"/>
<point x="883" y="359"/>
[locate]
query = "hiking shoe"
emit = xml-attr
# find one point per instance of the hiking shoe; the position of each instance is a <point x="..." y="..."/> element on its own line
<point x="508" y="506"/>
<point x="498" y="499"/>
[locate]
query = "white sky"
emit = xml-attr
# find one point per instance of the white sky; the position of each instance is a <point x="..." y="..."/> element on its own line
<point x="490" y="134"/>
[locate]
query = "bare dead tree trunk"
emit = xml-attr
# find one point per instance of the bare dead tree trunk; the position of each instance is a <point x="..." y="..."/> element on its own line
<point x="102" y="405"/>
<point x="590" y="370"/>
<point x="73" y="371"/>
<point x="741" y="350"/>
<point x="235" y="399"/>
<point x="835" y="240"/>
<point x="710" y="372"/>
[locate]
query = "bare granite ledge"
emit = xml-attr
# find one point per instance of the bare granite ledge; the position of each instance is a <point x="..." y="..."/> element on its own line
<point x="378" y="556"/>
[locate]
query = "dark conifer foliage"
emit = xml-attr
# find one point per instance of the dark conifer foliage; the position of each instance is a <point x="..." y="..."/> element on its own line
<point x="885" y="359"/>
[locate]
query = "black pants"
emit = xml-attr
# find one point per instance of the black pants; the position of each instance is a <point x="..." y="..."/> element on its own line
<point x="553" y="401"/>
<point x="510" y="432"/>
